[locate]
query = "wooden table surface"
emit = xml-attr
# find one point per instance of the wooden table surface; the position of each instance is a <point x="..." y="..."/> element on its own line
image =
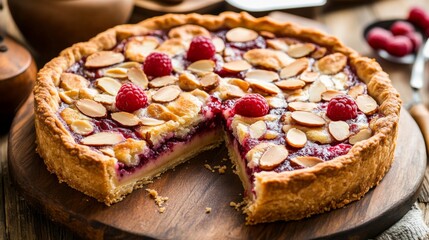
<point x="18" y="220"/>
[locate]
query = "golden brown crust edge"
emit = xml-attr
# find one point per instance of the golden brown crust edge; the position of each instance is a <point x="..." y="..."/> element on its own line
<point x="52" y="135"/>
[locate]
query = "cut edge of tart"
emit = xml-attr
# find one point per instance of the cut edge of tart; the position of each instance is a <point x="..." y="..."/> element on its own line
<point x="271" y="196"/>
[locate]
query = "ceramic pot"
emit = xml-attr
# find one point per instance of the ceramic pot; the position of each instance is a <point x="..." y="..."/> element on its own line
<point x="52" y="25"/>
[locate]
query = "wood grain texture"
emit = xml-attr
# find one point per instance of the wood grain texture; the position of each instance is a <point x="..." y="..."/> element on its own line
<point x="191" y="188"/>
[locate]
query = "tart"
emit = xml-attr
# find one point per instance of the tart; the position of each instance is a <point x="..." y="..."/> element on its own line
<point x="309" y="123"/>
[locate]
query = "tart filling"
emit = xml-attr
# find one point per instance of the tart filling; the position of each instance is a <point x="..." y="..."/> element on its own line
<point x="293" y="107"/>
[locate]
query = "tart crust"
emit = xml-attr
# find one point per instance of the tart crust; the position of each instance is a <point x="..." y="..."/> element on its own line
<point x="278" y="196"/>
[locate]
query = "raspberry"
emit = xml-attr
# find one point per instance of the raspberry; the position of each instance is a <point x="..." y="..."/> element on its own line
<point x="157" y="65"/>
<point x="252" y="105"/>
<point x="201" y="48"/>
<point x="399" y="46"/>
<point x="416" y="40"/>
<point x="401" y="28"/>
<point x="342" y="108"/>
<point x="378" y="37"/>
<point x="418" y="16"/>
<point x="130" y="98"/>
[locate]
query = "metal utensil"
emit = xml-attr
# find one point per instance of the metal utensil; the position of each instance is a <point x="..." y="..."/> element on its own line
<point x="416" y="108"/>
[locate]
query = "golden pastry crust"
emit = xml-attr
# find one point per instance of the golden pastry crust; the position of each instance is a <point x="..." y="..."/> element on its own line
<point x="279" y="196"/>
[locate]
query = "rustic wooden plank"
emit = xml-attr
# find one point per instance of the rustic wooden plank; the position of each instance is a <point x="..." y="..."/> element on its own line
<point x="3" y="162"/>
<point x="424" y="194"/>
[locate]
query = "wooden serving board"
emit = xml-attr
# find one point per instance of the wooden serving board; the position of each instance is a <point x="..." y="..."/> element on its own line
<point x="191" y="188"/>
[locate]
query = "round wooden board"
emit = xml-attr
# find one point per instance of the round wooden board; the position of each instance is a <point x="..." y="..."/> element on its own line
<point x="191" y="188"/>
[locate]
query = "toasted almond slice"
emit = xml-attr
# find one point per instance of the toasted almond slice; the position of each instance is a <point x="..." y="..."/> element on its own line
<point x="240" y="34"/>
<point x="309" y="77"/>
<point x="162" y="81"/>
<point x="295" y="68"/>
<point x="103" y="59"/>
<point x="242" y="131"/>
<point x="356" y="90"/>
<point x="188" y="31"/>
<point x="138" y="77"/>
<point x="366" y="104"/>
<point x="129" y="65"/>
<point x="315" y="91"/>
<point x="104" y="98"/>
<point x="219" y="44"/>
<point x="151" y="121"/>
<point x="339" y="130"/>
<point x="82" y="127"/>
<point x="363" y="134"/>
<point x="116" y="72"/>
<point x="88" y="93"/>
<point x="178" y="66"/>
<point x="103" y="138"/>
<point x="71" y="81"/>
<point x="302" y="106"/>
<point x="332" y="63"/>
<point x="138" y="48"/>
<point x="65" y="98"/>
<point x="91" y="108"/>
<point x="258" y="129"/>
<point x="300" y="49"/>
<point x="306" y="161"/>
<point x="126" y="119"/>
<point x="262" y="75"/>
<point x="188" y="81"/>
<point x="277" y="44"/>
<point x="166" y="94"/>
<point x="276" y="102"/>
<point x="329" y="94"/>
<point x="273" y="157"/>
<point x="267" y="34"/>
<point x="291" y="84"/>
<point x="202" y="66"/>
<point x="108" y="151"/>
<point x="209" y="81"/>
<point x="69" y="96"/>
<point x="271" y="134"/>
<point x="234" y="92"/>
<point x="308" y="119"/>
<point x="296" y="138"/>
<point x="237" y="66"/>
<point x="265" y="87"/>
<point x="240" y="83"/>
<point x="108" y="85"/>
<point x="319" y="53"/>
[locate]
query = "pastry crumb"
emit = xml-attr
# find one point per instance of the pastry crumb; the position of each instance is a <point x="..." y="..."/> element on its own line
<point x="161" y="209"/>
<point x="208" y="210"/>
<point x="209" y="167"/>
<point x="237" y="206"/>
<point x="159" y="200"/>
<point x="220" y="169"/>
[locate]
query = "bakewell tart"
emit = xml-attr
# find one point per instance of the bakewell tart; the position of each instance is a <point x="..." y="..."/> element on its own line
<point x="309" y="123"/>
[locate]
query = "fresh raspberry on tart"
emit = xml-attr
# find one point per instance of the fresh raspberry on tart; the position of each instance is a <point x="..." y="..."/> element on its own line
<point x="290" y="107"/>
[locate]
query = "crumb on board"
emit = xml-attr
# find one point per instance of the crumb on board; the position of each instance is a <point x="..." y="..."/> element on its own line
<point x="161" y="209"/>
<point x="159" y="200"/>
<point x="209" y="167"/>
<point x="220" y="169"/>
<point x="237" y="206"/>
<point x="208" y="210"/>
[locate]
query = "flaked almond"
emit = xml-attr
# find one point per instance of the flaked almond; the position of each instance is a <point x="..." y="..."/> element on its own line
<point x="103" y="138"/>
<point x="129" y="65"/>
<point x="166" y="94"/>
<point x="237" y="66"/>
<point x="240" y="34"/>
<point x="108" y="85"/>
<point x="291" y="84"/>
<point x="366" y="104"/>
<point x="363" y="134"/>
<point x="306" y="161"/>
<point x="258" y="129"/>
<point x="209" y="81"/>
<point x="188" y="81"/>
<point x="302" y="106"/>
<point x="108" y="151"/>
<point x="239" y="83"/>
<point x="273" y="157"/>
<point x="271" y="134"/>
<point x="103" y="59"/>
<point x="138" y="77"/>
<point x="138" y="48"/>
<point x="234" y="92"/>
<point x="332" y="63"/>
<point x="267" y="34"/>
<point x="70" y="81"/>
<point x="319" y="53"/>
<point x="277" y="44"/>
<point x="202" y="66"/>
<point x="126" y="119"/>
<point x="242" y="131"/>
<point x="276" y="102"/>
<point x="262" y="75"/>
<point x="88" y="93"/>
<point x="307" y="119"/>
<point x="339" y="130"/>
<point x="151" y="121"/>
<point x="315" y="91"/>
<point x="178" y="66"/>
<point x="309" y="77"/>
<point x="104" y="98"/>
<point x="91" y="108"/>
<point x="300" y="50"/>
<point x="329" y="94"/>
<point x="356" y="90"/>
<point x="82" y="127"/>
<point x="219" y="44"/>
<point x="116" y="72"/>
<point x="69" y="96"/>
<point x="162" y="81"/>
<point x="264" y="87"/>
<point x="296" y="138"/>
<point x="295" y="68"/>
